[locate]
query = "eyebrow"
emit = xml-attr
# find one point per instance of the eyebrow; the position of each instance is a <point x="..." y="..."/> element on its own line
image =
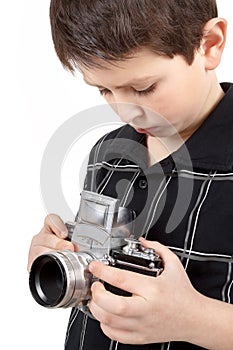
<point x="129" y="83"/>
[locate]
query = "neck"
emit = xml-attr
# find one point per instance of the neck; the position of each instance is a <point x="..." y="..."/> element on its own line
<point x="213" y="97"/>
<point x="160" y="148"/>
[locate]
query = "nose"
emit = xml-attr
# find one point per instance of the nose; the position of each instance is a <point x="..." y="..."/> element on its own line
<point x="128" y="111"/>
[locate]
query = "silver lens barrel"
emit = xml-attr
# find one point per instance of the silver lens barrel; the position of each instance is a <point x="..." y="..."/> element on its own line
<point x="61" y="279"/>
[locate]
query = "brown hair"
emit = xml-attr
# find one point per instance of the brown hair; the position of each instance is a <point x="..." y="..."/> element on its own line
<point x="113" y="30"/>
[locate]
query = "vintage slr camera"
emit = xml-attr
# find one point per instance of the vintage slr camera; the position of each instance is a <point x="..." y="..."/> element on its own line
<point x="102" y="231"/>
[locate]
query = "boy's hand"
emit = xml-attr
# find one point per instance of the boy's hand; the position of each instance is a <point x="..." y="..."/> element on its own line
<point x="50" y="238"/>
<point x="159" y="309"/>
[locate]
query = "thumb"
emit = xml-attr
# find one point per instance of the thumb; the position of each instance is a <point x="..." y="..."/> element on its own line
<point x="54" y="224"/>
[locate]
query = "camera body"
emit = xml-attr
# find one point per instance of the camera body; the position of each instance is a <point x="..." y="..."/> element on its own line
<point x="102" y="231"/>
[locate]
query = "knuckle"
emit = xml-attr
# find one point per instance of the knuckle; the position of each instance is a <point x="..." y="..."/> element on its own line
<point x="49" y="220"/>
<point x="107" y="319"/>
<point x="121" y="308"/>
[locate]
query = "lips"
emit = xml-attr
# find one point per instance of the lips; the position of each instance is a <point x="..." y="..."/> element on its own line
<point x="140" y="131"/>
<point x="144" y="131"/>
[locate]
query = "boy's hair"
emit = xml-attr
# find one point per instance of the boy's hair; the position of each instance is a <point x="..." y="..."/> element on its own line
<point x="85" y="31"/>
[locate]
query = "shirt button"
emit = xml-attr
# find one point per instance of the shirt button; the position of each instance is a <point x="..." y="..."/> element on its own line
<point x="142" y="184"/>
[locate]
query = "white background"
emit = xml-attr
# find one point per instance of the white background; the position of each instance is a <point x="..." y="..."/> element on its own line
<point x="37" y="96"/>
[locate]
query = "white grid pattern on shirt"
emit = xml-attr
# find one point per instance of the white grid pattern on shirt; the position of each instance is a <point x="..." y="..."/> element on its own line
<point x="186" y="252"/>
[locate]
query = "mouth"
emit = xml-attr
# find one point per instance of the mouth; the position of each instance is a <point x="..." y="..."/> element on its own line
<point x="144" y="131"/>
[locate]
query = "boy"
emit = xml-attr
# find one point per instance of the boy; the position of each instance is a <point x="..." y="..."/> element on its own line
<point x="158" y="56"/>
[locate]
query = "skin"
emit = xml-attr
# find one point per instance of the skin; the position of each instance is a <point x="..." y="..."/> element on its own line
<point x="157" y="311"/>
<point x="181" y="98"/>
<point x="168" y="101"/>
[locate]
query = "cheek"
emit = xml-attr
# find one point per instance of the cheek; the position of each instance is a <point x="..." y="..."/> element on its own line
<point x="166" y="109"/>
<point x="173" y="103"/>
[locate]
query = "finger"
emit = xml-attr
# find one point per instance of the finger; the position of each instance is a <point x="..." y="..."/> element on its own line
<point x="39" y="250"/>
<point x="132" y="282"/>
<point x="121" y="335"/>
<point x="54" y="224"/>
<point x="112" y="320"/>
<point x="51" y="241"/>
<point x="105" y="305"/>
<point x="164" y="253"/>
<point x="105" y="308"/>
<point x="45" y="242"/>
<point x="171" y="262"/>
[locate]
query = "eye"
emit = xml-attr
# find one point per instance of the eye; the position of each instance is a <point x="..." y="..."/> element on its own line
<point x="104" y="92"/>
<point x="147" y="91"/>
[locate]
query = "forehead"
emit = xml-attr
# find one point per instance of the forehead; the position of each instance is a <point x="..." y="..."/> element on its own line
<point x="139" y="67"/>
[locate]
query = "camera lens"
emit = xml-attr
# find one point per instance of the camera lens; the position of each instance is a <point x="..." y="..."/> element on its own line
<point x="47" y="280"/>
<point x="60" y="278"/>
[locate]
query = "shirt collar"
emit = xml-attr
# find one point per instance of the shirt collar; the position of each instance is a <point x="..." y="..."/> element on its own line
<point x="211" y="146"/>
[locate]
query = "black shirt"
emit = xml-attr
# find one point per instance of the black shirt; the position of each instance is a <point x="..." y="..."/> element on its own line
<point x="185" y="202"/>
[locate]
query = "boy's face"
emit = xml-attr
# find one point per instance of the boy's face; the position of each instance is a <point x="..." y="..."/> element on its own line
<point x="154" y="92"/>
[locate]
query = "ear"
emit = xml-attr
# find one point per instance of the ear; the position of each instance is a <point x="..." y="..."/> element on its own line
<point x="213" y="42"/>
